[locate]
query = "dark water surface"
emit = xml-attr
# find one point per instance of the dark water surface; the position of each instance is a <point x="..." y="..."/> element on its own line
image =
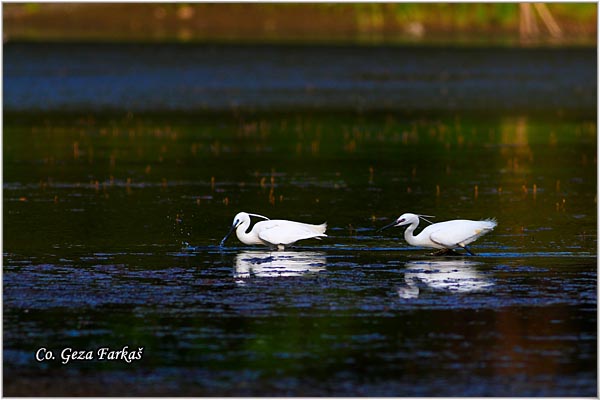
<point x="112" y="220"/>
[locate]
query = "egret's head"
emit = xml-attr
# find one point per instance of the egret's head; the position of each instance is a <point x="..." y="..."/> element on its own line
<point x="239" y="219"/>
<point x="404" y="219"/>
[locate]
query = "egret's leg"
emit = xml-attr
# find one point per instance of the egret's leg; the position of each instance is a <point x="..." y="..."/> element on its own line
<point x="469" y="251"/>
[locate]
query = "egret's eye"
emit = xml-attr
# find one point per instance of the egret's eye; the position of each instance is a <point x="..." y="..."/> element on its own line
<point x="402" y="220"/>
<point x="236" y="223"/>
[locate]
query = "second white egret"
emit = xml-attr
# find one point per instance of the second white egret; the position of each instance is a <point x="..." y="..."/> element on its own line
<point x="278" y="233"/>
<point x="446" y="236"/>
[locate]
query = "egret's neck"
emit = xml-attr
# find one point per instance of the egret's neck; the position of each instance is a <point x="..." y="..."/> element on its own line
<point x="408" y="234"/>
<point x="246" y="238"/>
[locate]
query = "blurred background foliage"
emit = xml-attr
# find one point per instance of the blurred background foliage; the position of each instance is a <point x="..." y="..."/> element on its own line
<point x="464" y="23"/>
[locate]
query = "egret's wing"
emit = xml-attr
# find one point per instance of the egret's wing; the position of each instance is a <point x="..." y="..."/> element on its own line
<point x="288" y="232"/>
<point x="442" y="239"/>
<point x="459" y="233"/>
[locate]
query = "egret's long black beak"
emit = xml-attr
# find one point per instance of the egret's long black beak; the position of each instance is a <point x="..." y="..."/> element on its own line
<point x="228" y="234"/>
<point x="387" y="226"/>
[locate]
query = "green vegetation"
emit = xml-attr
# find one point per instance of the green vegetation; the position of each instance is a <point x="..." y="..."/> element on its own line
<point x="284" y="22"/>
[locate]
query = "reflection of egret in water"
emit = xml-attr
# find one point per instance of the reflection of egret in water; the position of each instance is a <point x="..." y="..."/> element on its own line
<point x="455" y="276"/>
<point x="268" y="264"/>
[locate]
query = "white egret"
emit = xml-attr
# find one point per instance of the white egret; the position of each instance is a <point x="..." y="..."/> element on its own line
<point x="278" y="233"/>
<point x="446" y="235"/>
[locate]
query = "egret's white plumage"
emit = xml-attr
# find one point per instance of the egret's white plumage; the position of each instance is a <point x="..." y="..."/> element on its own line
<point x="278" y="233"/>
<point x="443" y="235"/>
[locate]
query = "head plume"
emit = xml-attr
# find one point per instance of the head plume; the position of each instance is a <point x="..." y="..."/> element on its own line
<point x="425" y="219"/>
<point x="258" y="215"/>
